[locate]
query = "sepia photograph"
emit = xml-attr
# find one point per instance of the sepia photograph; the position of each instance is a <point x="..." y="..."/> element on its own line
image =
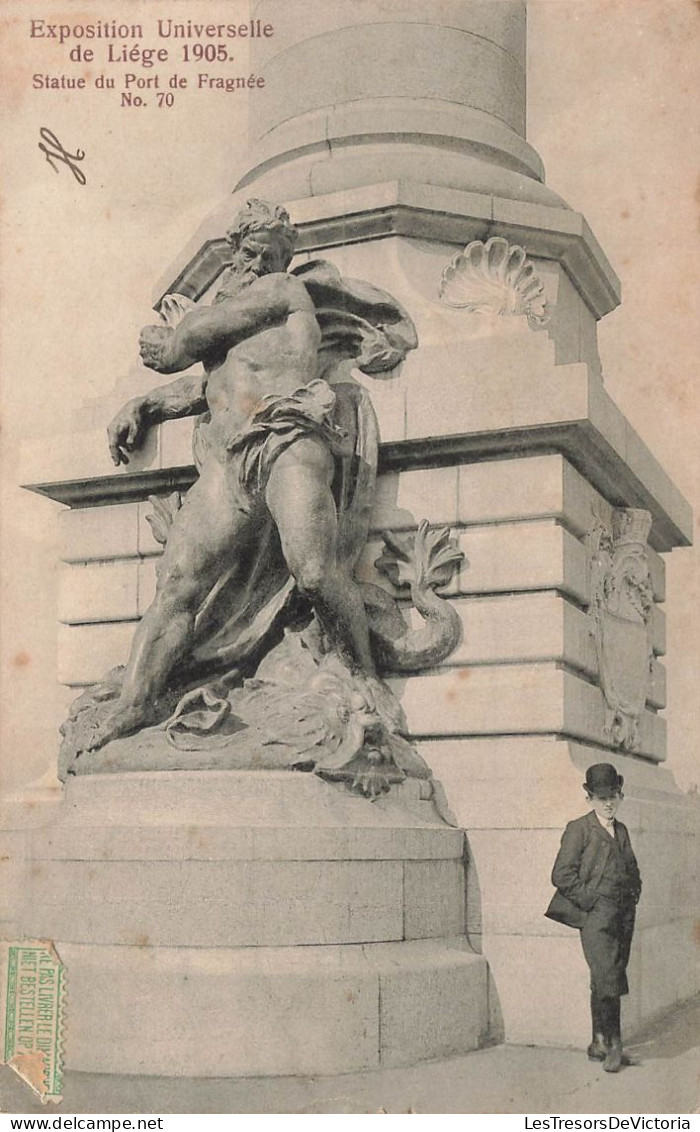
<point x="350" y="615"/>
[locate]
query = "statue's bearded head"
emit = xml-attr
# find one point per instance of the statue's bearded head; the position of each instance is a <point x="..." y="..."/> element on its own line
<point x="263" y="238"/>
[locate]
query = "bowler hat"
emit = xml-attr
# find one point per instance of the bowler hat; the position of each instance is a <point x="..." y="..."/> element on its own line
<point x="602" y="779"/>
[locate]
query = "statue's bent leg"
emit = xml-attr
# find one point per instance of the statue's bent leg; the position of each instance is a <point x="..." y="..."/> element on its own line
<point x="204" y="535"/>
<point x="300" y="500"/>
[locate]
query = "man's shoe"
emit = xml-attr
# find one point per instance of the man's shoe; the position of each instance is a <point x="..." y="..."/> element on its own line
<point x="614" y="1058"/>
<point x="597" y="1050"/>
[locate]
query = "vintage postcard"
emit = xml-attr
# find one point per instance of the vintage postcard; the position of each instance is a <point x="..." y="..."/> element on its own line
<point x="349" y="458"/>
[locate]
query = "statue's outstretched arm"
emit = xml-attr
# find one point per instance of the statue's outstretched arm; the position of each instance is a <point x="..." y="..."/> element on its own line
<point x="184" y="397"/>
<point x="207" y="333"/>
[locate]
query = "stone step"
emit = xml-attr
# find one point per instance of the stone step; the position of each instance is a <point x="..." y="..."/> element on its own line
<point x="208" y="842"/>
<point x="220" y="859"/>
<point x="237" y="1012"/>
<point x="248" y="799"/>
<point x="243" y="903"/>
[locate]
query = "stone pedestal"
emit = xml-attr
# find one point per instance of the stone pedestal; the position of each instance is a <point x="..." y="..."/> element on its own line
<point x="220" y="924"/>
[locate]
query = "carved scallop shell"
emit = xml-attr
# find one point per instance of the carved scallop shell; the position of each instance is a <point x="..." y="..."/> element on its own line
<point x="495" y="277"/>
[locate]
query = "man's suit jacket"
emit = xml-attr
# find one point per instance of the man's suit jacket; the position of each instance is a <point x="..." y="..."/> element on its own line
<point x="580" y="866"/>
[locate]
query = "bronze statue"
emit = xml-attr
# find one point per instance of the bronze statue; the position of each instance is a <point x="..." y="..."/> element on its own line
<point x="286" y="446"/>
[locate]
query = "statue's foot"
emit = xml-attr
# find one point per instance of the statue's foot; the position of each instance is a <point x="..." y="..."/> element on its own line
<point x="381" y="699"/>
<point x="123" y="721"/>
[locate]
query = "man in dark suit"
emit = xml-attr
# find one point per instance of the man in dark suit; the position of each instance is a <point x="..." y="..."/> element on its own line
<point x="598" y="886"/>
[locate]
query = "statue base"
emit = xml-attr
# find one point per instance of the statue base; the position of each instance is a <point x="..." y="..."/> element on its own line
<point x="224" y="923"/>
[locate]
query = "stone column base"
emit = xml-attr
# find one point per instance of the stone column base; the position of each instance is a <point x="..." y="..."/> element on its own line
<point x="221" y="924"/>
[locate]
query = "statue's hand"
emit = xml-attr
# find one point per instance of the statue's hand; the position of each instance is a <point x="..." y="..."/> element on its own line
<point x="154" y="342"/>
<point x="173" y="309"/>
<point x="126" y="430"/>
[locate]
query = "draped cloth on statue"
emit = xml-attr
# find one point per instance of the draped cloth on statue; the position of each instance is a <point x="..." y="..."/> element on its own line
<point x="253" y="594"/>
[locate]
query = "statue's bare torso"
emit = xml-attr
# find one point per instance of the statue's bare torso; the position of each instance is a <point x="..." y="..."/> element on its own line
<point x="274" y="363"/>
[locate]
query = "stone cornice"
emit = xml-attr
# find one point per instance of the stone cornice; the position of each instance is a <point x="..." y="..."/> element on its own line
<point x="632" y="479"/>
<point x="419" y="211"/>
